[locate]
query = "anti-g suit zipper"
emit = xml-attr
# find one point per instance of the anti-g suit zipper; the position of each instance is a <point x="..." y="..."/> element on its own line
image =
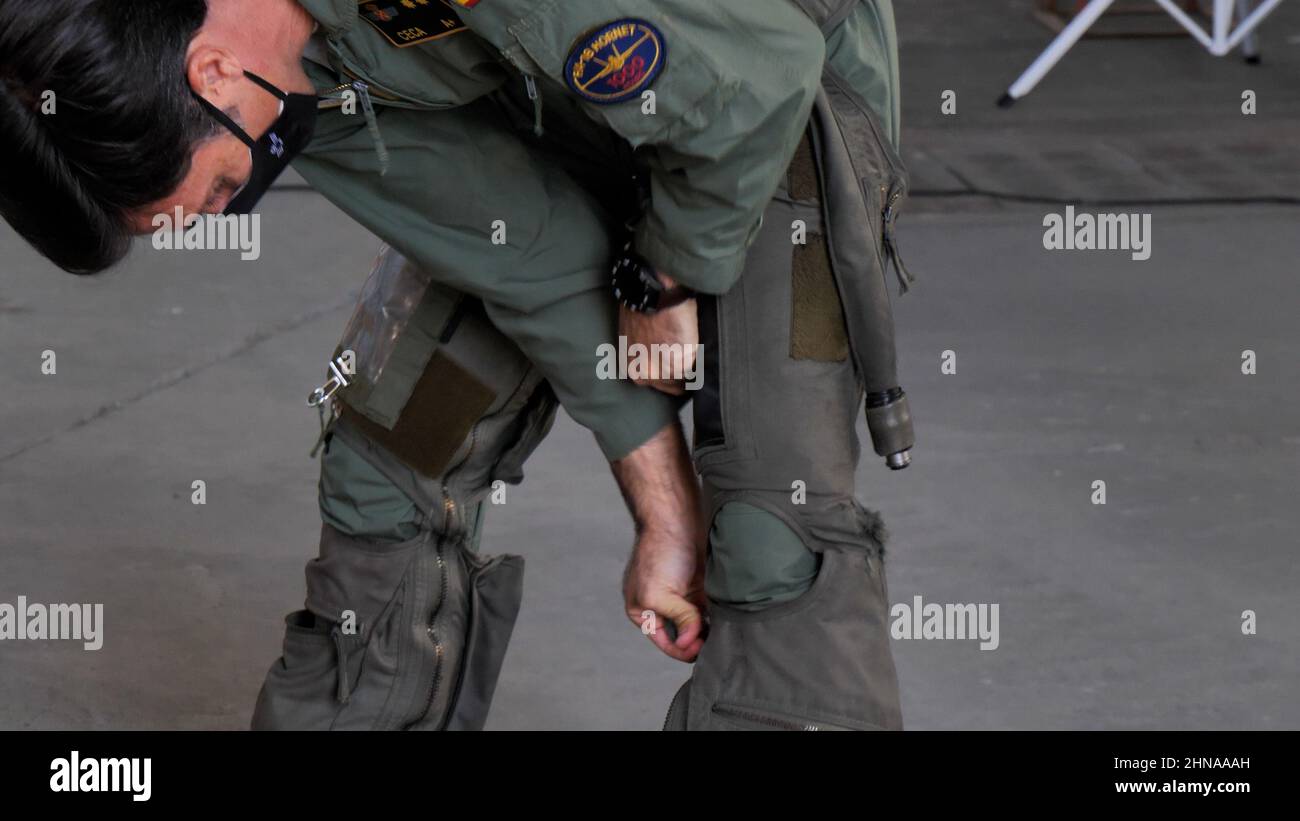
<point x="450" y="524"/>
<point x="905" y="277"/>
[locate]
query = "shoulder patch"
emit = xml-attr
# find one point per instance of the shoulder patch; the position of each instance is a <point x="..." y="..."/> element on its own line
<point x="411" y="22"/>
<point x="616" y="61"/>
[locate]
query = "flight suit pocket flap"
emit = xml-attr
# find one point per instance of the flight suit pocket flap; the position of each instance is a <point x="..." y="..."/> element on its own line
<point x="496" y="590"/>
<point x="439" y="411"/>
<point x="357" y="576"/>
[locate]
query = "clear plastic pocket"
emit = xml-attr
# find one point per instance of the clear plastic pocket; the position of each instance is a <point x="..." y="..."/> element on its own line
<point x="398" y="323"/>
<point x="389" y="298"/>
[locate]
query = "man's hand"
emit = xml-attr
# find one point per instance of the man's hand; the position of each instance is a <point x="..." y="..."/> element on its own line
<point x="665" y="574"/>
<point x="664" y="580"/>
<point x="678" y="325"/>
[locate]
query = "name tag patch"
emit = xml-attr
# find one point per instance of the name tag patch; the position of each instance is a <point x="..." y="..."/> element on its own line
<point x="411" y="22"/>
<point x="616" y="62"/>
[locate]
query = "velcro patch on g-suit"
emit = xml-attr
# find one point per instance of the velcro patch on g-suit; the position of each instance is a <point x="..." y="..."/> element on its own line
<point x="817" y="328"/>
<point x="411" y="22"/>
<point x="616" y="62"/>
<point x="444" y="407"/>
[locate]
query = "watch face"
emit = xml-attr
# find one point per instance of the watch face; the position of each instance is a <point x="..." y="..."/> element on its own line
<point x="634" y="285"/>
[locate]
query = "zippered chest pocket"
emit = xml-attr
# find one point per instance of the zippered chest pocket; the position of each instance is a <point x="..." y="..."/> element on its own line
<point x="876" y="165"/>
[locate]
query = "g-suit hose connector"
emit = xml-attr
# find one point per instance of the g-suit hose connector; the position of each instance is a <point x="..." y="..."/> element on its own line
<point x="890" y="421"/>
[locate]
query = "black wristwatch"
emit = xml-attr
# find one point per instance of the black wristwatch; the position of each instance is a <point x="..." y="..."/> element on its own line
<point x="637" y="286"/>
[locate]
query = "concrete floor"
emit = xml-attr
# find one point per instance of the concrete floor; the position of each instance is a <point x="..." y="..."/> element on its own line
<point x="1071" y="367"/>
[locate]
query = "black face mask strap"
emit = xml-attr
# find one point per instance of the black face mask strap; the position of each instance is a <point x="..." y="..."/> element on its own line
<point x="231" y="126"/>
<point x="277" y="93"/>
<point x="220" y="116"/>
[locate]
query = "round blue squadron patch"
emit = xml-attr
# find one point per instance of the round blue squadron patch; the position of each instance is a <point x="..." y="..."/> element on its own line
<point x="616" y="62"/>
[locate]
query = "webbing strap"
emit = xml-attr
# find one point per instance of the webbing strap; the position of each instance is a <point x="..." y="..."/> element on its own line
<point x="827" y="14"/>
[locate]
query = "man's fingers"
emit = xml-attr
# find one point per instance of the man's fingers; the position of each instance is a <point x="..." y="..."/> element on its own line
<point x="654" y="628"/>
<point x="684" y="616"/>
<point x="668" y="343"/>
<point x="673" y="383"/>
<point x="675" y="387"/>
<point x="677" y="650"/>
<point x="666" y="646"/>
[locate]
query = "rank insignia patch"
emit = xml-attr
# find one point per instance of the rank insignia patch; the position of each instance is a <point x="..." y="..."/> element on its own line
<point x="411" y="22"/>
<point x="616" y="62"/>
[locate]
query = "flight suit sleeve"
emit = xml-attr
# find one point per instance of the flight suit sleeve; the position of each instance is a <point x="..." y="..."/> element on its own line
<point x="731" y="98"/>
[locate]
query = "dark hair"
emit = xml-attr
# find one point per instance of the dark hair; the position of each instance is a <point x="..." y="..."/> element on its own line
<point x="124" y="126"/>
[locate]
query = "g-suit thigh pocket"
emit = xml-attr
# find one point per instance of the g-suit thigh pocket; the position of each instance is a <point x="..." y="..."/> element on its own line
<point x="346" y="655"/>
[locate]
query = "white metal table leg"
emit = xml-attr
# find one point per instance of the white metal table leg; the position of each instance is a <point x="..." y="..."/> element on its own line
<point x="1054" y="52"/>
<point x="1221" y="40"/>
<point x="1247" y="26"/>
<point x="1222" y="26"/>
<point x="1249" y="44"/>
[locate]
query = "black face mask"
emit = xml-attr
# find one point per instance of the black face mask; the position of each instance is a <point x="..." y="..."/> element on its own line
<point x="284" y="140"/>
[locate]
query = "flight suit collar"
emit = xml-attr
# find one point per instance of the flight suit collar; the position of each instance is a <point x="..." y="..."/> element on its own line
<point x="336" y="17"/>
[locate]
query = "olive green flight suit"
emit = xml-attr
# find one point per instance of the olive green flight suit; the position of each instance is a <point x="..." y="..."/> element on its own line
<point x="470" y="154"/>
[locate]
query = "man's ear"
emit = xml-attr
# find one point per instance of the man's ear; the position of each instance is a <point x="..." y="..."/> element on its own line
<point x="213" y="73"/>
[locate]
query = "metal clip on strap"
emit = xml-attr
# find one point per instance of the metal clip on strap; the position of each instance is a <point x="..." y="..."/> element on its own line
<point x="325" y="392"/>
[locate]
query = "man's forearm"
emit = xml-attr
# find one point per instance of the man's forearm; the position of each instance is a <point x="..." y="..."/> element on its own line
<point x="659" y="486"/>
<point x="663" y="585"/>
